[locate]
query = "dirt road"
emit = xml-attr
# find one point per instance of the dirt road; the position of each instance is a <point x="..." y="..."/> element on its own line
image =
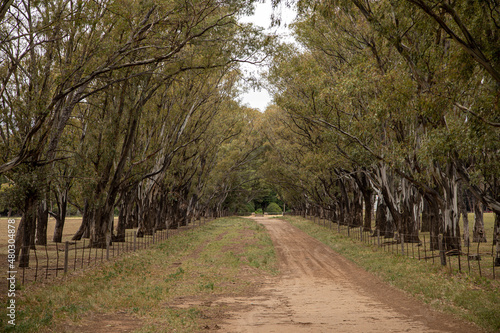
<point x="320" y="291"/>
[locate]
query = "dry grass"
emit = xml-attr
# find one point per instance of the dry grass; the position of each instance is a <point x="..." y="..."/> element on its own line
<point x="166" y="288"/>
<point x="48" y="262"/>
<point x="70" y="228"/>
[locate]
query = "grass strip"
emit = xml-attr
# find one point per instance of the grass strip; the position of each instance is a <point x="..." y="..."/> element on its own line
<point x="473" y="298"/>
<point x="150" y="286"/>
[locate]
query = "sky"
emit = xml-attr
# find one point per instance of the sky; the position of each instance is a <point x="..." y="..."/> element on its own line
<point x="260" y="99"/>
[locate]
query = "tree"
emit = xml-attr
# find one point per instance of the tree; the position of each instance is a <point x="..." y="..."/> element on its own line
<point x="397" y="93"/>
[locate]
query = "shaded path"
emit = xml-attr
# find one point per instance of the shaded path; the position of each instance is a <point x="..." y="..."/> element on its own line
<point x="320" y="291"/>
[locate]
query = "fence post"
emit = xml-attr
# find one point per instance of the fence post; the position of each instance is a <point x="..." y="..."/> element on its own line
<point x="361" y="234"/>
<point x="135" y="240"/>
<point x="107" y="250"/>
<point x="402" y="237"/>
<point x="378" y="237"/>
<point x="66" y="256"/>
<point x="441" y="250"/>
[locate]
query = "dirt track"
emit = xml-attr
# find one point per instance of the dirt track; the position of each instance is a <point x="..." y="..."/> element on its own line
<point x="320" y="291"/>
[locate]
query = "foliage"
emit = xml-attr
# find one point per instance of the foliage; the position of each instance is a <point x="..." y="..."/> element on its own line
<point x="386" y="104"/>
<point x="129" y="107"/>
<point x="273" y="208"/>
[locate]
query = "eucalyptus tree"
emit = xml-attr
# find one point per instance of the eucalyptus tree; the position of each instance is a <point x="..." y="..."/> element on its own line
<point x="399" y="90"/>
<point x="100" y="63"/>
<point x="174" y="101"/>
<point x="451" y="50"/>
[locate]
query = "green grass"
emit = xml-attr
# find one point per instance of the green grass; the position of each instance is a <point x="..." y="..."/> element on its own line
<point x="201" y="264"/>
<point x="471" y="297"/>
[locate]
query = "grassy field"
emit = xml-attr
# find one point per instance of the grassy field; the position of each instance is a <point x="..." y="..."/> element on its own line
<point x="70" y="227"/>
<point x="164" y="288"/>
<point x="469" y="296"/>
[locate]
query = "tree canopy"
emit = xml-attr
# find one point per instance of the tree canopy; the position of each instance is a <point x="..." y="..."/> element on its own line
<point x="131" y="107"/>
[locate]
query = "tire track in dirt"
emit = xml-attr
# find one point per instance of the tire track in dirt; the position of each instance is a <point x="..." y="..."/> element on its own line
<point x="321" y="291"/>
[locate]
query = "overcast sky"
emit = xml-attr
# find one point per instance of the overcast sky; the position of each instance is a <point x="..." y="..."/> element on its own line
<point x="262" y="17"/>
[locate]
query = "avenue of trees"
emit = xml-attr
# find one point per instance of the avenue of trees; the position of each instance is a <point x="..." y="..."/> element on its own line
<point x="123" y="107"/>
<point x="393" y="104"/>
<point x="129" y="109"/>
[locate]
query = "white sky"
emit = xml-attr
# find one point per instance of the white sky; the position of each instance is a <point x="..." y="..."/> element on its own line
<point x="262" y="17"/>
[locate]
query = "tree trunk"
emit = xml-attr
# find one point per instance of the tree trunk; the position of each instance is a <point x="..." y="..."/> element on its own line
<point x="380" y="216"/>
<point x="83" y="231"/>
<point x="100" y="226"/>
<point x="496" y="236"/>
<point x="367" y="225"/>
<point x="435" y="225"/>
<point x="426" y="217"/>
<point x="62" y="204"/>
<point x="478" y="235"/>
<point x="26" y="231"/>
<point x="451" y="216"/>
<point x="357" y="219"/>
<point x="465" y="219"/>
<point x="122" y="221"/>
<point x="42" y="221"/>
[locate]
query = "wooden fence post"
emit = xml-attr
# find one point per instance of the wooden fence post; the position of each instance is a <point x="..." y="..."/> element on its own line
<point x="135" y="240"/>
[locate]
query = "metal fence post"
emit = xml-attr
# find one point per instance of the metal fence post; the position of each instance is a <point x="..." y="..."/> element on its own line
<point x="402" y="237"/>
<point x="441" y="250"/>
<point x="66" y="256"/>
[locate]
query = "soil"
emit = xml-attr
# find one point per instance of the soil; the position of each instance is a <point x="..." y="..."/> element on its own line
<point x="321" y="291"/>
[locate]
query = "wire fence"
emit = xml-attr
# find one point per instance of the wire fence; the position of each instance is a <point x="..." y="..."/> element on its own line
<point x="472" y="258"/>
<point x="47" y="262"/>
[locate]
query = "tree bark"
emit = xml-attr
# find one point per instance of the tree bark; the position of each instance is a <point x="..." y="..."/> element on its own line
<point x="60" y="216"/>
<point x="478" y="235"/>
<point x="26" y="231"/>
<point x="83" y="231"/>
<point x="42" y="221"/>
<point x="465" y="219"/>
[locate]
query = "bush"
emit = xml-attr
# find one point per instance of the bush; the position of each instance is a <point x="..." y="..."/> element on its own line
<point x="259" y="211"/>
<point x="250" y="207"/>
<point x="273" y="208"/>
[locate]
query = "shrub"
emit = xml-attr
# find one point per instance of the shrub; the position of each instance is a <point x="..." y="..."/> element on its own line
<point x="273" y="208"/>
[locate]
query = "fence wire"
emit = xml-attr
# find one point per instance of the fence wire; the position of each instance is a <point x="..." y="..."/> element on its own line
<point x="471" y="258"/>
<point x="48" y="262"/>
